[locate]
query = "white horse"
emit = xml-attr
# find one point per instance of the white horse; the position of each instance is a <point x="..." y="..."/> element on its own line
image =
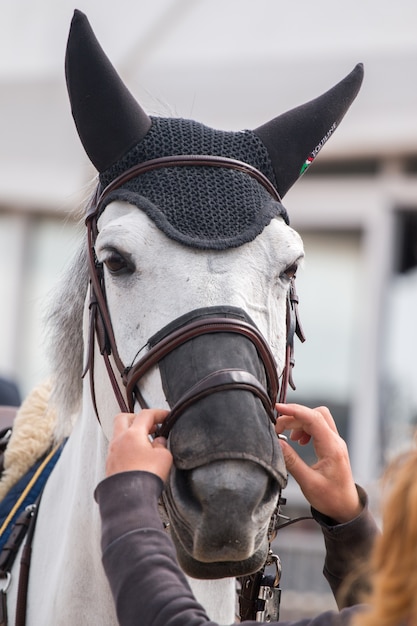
<point x="156" y="268"/>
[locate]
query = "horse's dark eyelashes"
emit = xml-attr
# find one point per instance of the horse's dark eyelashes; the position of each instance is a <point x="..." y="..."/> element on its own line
<point x="290" y="272"/>
<point x="117" y="264"/>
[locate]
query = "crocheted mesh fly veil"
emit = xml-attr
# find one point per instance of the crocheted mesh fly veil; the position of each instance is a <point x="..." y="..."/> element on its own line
<point x="200" y="206"/>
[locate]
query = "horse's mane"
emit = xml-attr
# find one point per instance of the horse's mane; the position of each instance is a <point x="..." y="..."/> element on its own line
<point x="63" y="323"/>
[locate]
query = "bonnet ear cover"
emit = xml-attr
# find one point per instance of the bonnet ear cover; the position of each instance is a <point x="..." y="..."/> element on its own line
<point x="294" y="138"/>
<point x="201" y="206"/>
<point x="109" y="120"/>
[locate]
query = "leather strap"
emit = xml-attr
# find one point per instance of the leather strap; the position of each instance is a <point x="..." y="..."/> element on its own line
<point x="101" y="326"/>
<point x="194" y="329"/>
<point x="181" y="160"/>
<point x="21" y="603"/>
<point x="100" y="318"/>
<point x="100" y="323"/>
<point x="13" y="543"/>
<point x="220" y="380"/>
<point x="24" y="526"/>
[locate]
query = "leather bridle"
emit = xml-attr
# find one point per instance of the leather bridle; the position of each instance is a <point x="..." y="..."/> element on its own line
<point x="253" y="586"/>
<point x="130" y="376"/>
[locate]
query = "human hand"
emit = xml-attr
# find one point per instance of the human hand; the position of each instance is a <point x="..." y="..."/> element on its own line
<point x="131" y="449"/>
<point x="328" y="484"/>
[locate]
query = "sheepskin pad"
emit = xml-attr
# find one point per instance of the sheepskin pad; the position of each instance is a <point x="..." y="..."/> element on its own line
<point x="32" y="436"/>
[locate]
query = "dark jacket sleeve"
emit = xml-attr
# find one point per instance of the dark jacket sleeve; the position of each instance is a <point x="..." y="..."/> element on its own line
<point x="348" y="548"/>
<point x="148" y="587"/>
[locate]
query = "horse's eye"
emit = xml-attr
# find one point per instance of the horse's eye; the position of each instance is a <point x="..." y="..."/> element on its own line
<point x="116" y="264"/>
<point x="290" y="272"/>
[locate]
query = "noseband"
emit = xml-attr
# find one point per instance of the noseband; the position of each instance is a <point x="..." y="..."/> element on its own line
<point x="177" y="333"/>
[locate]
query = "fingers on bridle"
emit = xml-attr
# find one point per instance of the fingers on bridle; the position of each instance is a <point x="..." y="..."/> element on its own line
<point x="327" y="416"/>
<point x="300" y="435"/>
<point x="160" y="442"/>
<point x="298" y="418"/>
<point x="121" y="422"/>
<point x="149" y="418"/>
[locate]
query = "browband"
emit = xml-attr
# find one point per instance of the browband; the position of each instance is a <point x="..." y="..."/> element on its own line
<point x="202" y="160"/>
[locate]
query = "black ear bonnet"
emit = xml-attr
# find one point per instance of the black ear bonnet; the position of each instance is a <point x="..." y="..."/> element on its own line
<point x="203" y="207"/>
<point x="199" y="206"/>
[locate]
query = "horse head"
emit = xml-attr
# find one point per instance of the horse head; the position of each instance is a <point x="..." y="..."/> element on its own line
<point x="191" y="262"/>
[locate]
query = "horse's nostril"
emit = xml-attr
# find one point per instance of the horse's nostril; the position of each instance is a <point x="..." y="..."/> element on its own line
<point x="184" y="490"/>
